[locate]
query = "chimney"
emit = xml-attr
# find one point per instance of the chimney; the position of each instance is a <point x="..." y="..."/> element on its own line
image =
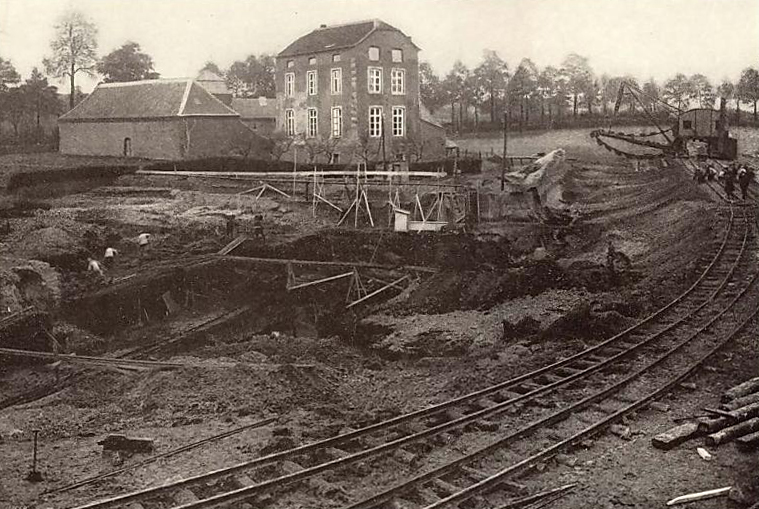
<point x="322" y="26"/>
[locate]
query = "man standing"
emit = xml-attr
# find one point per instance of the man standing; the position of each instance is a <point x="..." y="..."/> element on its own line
<point x="109" y="259"/>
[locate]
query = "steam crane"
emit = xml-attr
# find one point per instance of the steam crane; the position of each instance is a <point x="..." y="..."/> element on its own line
<point x="700" y="124"/>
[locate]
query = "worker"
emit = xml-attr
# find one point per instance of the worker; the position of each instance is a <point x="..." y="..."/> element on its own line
<point x="109" y="258"/>
<point x="142" y="241"/>
<point x="730" y="182"/>
<point x="231" y="225"/>
<point x="744" y="179"/>
<point x="611" y="258"/>
<point x="94" y="266"/>
<point x="258" y="227"/>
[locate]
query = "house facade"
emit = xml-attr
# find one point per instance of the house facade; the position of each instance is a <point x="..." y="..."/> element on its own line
<point x="351" y="93"/>
<point x="156" y="119"/>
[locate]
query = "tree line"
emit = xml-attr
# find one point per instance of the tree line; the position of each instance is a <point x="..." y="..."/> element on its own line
<point x="551" y="95"/>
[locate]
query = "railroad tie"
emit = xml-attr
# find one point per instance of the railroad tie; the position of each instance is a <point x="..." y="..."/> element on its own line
<point x="244" y="481"/>
<point x="567" y="371"/>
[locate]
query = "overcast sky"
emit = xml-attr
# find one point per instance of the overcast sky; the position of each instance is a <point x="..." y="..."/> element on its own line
<point x="646" y="38"/>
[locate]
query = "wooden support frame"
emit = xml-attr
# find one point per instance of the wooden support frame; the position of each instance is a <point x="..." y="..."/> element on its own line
<point x="316" y="282"/>
<point x="375" y="292"/>
<point x="262" y="188"/>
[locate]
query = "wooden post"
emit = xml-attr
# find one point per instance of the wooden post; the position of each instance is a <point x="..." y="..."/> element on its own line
<point x="505" y="147"/>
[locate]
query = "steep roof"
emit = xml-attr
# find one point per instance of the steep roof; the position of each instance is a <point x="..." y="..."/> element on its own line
<point x="212" y="82"/>
<point x="327" y="38"/>
<point x="426" y="116"/>
<point x="148" y="99"/>
<point x="257" y="107"/>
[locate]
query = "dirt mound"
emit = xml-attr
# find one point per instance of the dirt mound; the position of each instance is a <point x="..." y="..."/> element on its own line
<point x="28" y="283"/>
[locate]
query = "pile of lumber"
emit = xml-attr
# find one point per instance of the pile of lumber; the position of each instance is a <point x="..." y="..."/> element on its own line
<point x="737" y="420"/>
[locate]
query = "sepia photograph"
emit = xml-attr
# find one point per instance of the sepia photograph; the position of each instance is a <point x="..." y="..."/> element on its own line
<point x="389" y="254"/>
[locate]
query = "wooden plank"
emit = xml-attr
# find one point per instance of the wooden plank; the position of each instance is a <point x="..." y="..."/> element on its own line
<point x="732" y="432"/>
<point x="295" y="174"/>
<point x="282" y="261"/>
<point x="703" y="495"/>
<point x="675" y="436"/>
<point x="319" y="281"/>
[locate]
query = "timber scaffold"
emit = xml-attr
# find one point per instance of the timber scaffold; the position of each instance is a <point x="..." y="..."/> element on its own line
<point x="433" y="457"/>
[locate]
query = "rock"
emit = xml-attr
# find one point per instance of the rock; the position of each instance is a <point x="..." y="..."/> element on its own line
<point x="659" y="406"/>
<point x="564" y="459"/>
<point x="621" y="431"/>
<point x="689" y="385"/>
<point x="675" y="436"/>
<point x="129" y="444"/>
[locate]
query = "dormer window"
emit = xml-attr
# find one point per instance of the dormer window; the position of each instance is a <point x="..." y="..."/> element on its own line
<point x="290" y="64"/>
<point x="311" y="60"/>
<point x="397" y="55"/>
<point x="374" y="53"/>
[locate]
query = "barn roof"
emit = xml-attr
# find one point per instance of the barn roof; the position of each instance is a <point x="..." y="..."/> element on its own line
<point x="426" y="116"/>
<point x="148" y="99"/>
<point x="328" y="38"/>
<point x="258" y="107"/>
<point x="212" y="82"/>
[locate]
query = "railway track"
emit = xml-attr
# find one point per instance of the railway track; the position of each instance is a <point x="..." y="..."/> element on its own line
<point x="660" y="350"/>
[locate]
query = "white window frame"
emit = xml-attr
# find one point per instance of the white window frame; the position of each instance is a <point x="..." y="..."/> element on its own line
<point x="290" y="64"/>
<point x="290" y="122"/>
<point x="399" y="130"/>
<point x="336" y="57"/>
<point x="370" y="81"/>
<point x="375" y="132"/>
<point x="394" y="52"/>
<point x="336" y="81"/>
<point x="312" y="125"/>
<point x="290" y="84"/>
<point x="398" y="81"/>
<point x="312" y="83"/>
<point x="337" y="122"/>
<point x="369" y="54"/>
<point x="311" y="60"/>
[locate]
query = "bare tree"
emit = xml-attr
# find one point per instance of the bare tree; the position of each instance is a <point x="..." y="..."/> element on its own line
<point x="74" y="49"/>
<point x="280" y="145"/>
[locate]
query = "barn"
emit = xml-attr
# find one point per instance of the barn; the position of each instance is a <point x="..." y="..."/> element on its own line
<point x="156" y="119"/>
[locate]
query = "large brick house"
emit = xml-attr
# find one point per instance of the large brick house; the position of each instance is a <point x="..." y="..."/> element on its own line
<point x="352" y="93"/>
<point x="156" y="119"/>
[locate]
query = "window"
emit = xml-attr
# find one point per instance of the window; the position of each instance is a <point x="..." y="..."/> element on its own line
<point x="311" y="82"/>
<point x="399" y="121"/>
<point x="337" y="122"/>
<point x="336" y="57"/>
<point x="290" y="122"/>
<point x="289" y="84"/>
<point x="375" y="121"/>
<point x="290" y="64"/>
<point x="375" y="80"/>
<point x="313" y="124"/>
<point x="334" y="158"/>
<point x="373" y="53"/>
<point x="398" y="81"/>
<point x="311" y="60"/>
<point x="687" y="124"/>
<point x="397" y="55"/>
<point x="336" y="81"/>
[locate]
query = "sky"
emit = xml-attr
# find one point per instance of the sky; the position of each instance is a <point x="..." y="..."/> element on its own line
<point x="645" y="38"/>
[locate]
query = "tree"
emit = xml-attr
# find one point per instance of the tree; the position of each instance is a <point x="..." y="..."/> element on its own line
<point x="430" y="87"/>
<point x="8" y="74"/>
<point x="747" y="89"/>
<point x="127" y="63"/>
<point x="491" y="78"/>
<point x="652" y="92"/>
<point x="523" y="85"/>
<point x="211" y="66"/>
<point x="252" y="77"/>
<point x="677" y="91"/>
<point x="40" y="98"/>
<point x="702" y="91"/>
<point x="547" y="87"/>
<point x="455" y="90"/>
<point x="579" y="77"/>
<point x="609" y="90"/>
<point x="14" y="106"/>
<point x="726" y="90"/>
<point x="74" y="49"/>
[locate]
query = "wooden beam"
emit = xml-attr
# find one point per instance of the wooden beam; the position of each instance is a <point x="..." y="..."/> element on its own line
<point x="255" y="175"/>
<point x="375" y="292"/>
<point x="319" y="281"/>
<point x="282" y="261"/>
<point x="703" y="495"/>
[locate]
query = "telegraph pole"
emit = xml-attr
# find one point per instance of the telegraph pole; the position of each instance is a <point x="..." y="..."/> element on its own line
<point x="505" y="146"/>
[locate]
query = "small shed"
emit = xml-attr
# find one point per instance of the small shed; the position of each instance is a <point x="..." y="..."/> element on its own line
<point x="401" y="219"/>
